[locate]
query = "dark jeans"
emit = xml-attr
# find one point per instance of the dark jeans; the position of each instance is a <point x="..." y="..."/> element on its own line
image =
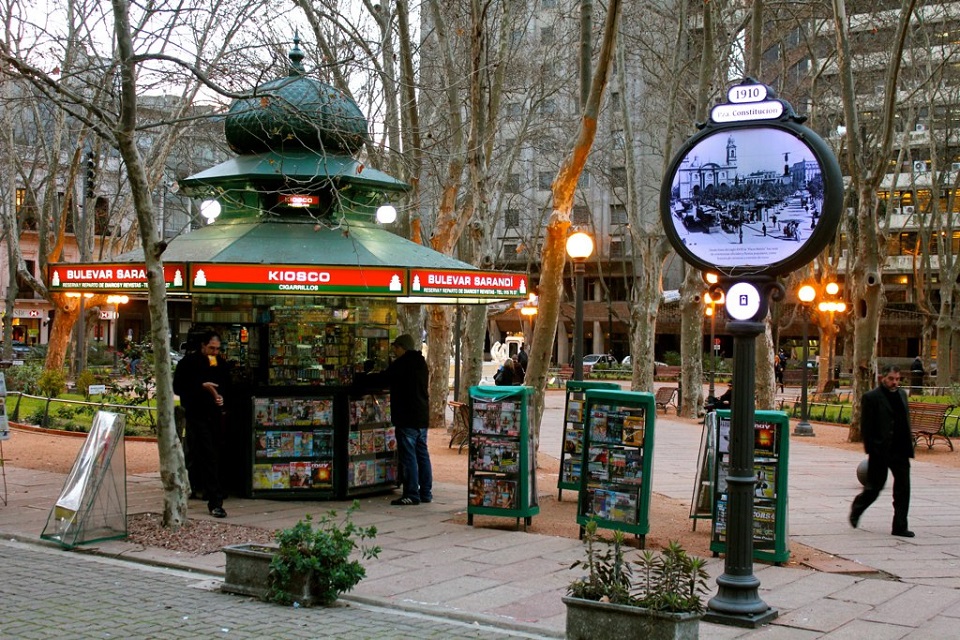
<point x="415" y="463"/>
<point x="204" y="441"/>
<point x="877" y="477"/>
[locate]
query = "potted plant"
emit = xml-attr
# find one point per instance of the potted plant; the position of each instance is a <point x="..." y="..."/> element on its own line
<point x="658" y="598"/>
<point x="310" y="564"/>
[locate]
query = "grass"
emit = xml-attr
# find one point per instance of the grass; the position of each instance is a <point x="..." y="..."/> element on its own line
<point x="65" y="416"/>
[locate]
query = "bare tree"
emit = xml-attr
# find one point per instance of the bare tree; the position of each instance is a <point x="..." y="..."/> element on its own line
<point x="102" y="93"/>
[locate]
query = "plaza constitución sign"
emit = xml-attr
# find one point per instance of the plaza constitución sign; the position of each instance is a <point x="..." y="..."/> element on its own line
<point x="754" y="192"/>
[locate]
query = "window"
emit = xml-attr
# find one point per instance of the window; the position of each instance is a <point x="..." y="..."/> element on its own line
<point x="25" y="290"/>
<point x="581" y="214"/>
<point x="549" y="4"/>
<point x="510" y="250"/>
<point x="516" y="37"/>
<point x="511" y="217"/>
<point x="545" y="180"/>
<point x="618" y="214"/>
<point x="616" y="249"/>
<point x="548" y="107"/>
<point x="21" y="198"/>
<point x="547" y="35"/>
<point x="584" y="180"/>
<point x="512" y="184"/>
<point x="619" y="140"/>
<point x="512" y="109"/>
<point x="618" y="177"/>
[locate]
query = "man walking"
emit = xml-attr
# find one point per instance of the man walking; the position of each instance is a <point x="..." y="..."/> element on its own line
<point x="407" y="379"/>
<point x="885" y="426"/>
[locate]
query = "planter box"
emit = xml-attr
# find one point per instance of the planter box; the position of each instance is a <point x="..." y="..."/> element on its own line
<point x="248" y="573"/>
<point x="591" y="620"/>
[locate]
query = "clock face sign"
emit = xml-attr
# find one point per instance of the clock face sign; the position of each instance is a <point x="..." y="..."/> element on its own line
<point x="755" y="197"/>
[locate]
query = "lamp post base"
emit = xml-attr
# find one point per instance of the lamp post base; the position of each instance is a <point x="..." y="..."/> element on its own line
<point x="804" y="428"/>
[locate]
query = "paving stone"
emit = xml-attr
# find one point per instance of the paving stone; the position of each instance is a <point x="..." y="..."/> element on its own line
<point x="823" y="615"/>
<point x="915" y="606"/>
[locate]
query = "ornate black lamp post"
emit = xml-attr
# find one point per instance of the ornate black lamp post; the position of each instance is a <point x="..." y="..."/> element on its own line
<point x="579" y="248"/>
<point x="807" y="294"/>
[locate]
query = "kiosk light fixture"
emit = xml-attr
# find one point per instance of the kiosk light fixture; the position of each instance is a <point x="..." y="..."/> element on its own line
<point x="386" y="214"/>
<point x="210" y="210"/>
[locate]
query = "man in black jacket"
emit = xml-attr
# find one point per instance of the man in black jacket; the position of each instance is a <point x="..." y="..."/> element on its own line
<point x="201" y="380"/>
<point x="885" y="427"/>
<point x="407" y="379"/>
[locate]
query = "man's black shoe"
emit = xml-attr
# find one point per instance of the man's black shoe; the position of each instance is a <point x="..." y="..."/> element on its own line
<point x="403" y="502"/>
<point x="903" y="534"/>
<point x="218" y="512"/>
<point x="854" y="519"/>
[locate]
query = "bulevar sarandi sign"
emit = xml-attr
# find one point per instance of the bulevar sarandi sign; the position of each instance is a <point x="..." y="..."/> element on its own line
<point x="293" y="280"/>
<point x="112" y="277"/>
<point x="438" y="282"/>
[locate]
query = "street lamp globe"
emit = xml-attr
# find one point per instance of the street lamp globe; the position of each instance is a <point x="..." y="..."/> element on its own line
<point x="579" y="245"/>
<point x="832" y="288"/>
<point x="806" y="293"/>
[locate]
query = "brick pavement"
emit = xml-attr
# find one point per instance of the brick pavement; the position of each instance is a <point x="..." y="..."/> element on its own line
<point x="512" y="581"/>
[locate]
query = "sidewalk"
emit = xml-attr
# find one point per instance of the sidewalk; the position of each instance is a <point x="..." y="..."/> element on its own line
<point x="880" y="586"/>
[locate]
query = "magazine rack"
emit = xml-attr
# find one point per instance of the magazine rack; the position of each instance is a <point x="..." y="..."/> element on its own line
<point x="501" y="475"/>
<point x="617" y="461"/>
<point x="326" y="446"/>
<point x="771" y="455"/>
<point x="573" y="413"/>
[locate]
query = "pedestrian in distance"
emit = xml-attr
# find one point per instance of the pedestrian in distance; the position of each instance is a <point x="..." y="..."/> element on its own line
<point x="202" y="381"/>
<point x="885" y="427"/>
<point x="506" y="374"/>
<point x="407" y="379"/>
<point x="916" y="375"/>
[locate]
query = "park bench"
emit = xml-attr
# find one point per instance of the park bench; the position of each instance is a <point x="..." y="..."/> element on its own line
<point x="927" y="422"/>
<point x="460" y="429"/>
<point x="665" y="397"/>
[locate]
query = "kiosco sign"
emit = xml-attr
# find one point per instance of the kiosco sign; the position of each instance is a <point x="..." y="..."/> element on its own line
<point x="755" y="192"/>
<point x="295" y="279"/>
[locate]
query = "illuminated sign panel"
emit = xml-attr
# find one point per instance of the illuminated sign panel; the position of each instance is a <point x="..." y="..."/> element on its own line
<point x="296" y="279"/>
<point x="296" y="200"/>
<point x="494" y="284"/>
<point x="112" y="277"/>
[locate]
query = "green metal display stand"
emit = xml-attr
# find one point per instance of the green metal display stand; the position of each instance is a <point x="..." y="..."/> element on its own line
<point x="771" y="456"/>
<point x="573" y="412"/>
<point x="617" y="461"/>
<point x="501" y="475"/>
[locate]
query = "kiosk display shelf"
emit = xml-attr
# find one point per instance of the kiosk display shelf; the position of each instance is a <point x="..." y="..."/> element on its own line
<point x="573" y="414"/>
<point x="294" y="446"/>
<point x="501" y="471"/>
<point x="771" y="454"/>
<point x="371" y="445"/>
<point x="617" y="461"/>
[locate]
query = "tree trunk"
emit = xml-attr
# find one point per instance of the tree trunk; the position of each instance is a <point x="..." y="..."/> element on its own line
<point x="766" y="389"/>
<point x="438" y="362"/>
<point x="644" y="306"/>
<point x="555" y="236"/>
<point x="691" y="344"/>
<point x="67" y="312"/>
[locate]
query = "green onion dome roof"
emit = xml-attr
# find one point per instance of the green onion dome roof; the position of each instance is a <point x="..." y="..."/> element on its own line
<point x="296" y="113"/>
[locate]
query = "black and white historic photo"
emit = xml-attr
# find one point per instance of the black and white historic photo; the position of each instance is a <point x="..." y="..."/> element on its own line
<point x="746" y="197"/>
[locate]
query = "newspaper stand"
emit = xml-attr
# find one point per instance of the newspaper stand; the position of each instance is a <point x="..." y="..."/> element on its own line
<point x="617" y="461"/>
<point x="771" y="455"/>
<point x="501" y="475"/>
<point x="573" y="413"/>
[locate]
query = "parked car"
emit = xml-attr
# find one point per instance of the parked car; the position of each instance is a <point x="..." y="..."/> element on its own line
<point x="597" y="358"/>
<point x="20" y="349"/>
<point x="629" y="361"/>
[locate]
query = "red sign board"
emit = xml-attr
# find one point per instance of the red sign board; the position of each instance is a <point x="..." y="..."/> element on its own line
<point x="112" y="277"/>
<point x="294" y="200"/>
<point x="491" y="284"/>
<point x="296" y="279"/>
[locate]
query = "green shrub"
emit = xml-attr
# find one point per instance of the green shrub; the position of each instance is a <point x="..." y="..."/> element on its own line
<point x="52" y="382"/>
<point x="84" y="380"/>
<point x="24" y="377"/>
<point x="672" y="358"/>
